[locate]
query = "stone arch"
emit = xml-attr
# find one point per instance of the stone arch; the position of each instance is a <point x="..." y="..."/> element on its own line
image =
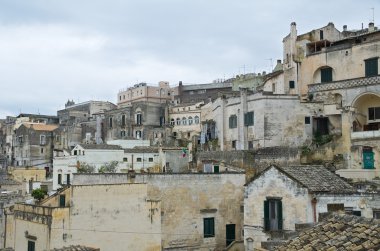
<point x="366" y="112"/>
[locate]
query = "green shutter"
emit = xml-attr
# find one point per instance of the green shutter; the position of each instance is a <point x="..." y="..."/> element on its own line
<point x="266" y="216"/>
<point x="62" y="200"/>
<point x="371" y="67"/>
<point x="279" y="210"/>
<point x="326" y="75"/>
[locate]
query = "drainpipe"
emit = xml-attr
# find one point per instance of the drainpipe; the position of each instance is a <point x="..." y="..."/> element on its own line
<point x="314" y="206"/>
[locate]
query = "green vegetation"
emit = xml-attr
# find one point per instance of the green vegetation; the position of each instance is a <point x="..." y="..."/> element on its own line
<point x="38" y="194"/>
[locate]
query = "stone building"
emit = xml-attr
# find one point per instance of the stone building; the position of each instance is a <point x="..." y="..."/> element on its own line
<point x="280" y="198"/>
<point x="142" y="92"/>
<point x="109" y="217"/>
<point x="338" y="71"/>
<point x="195" y="93"/>
<point x="33" y="145"/>
<point x="140" y="120"/>
<point x="258" y="120"/>
<point x="198" y="211"/>
<point x="185" y="120"/>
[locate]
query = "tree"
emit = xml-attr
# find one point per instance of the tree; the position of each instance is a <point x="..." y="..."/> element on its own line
<point x="83" y="167"/>
<point x="110" y="167"/>
<point x="38" y="194"/>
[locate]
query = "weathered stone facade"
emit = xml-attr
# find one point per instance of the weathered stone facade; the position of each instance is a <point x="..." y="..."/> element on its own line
<point x="186" y="200"/>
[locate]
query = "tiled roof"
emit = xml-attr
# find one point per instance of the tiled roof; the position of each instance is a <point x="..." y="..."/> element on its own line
<point x="41" y="127"/>
<point x="339" y="232"/>
<point x="75" y="248"/>
<point x="101" y="146"/>
<point x="142" y="149"/>
<point x="318" y="179"/>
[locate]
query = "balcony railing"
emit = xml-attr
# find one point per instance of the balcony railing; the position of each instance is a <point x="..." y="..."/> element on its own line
<point x="344" y="84"/>
<point x="365" y="135"/>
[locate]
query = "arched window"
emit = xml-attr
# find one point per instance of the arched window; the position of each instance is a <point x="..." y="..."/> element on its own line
<point x="172" y="122"/>
<point x="178" y="121"/>
<point x="184" y="121"/>
<point x="190" y="120"/>
<point x="326" y="74"/>
<point x="196" y="120"/>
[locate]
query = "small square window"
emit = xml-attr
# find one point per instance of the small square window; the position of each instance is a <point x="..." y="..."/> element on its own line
<point x="307" y="120"/>
<point x="376" y="214"/>
<point x="139" y="160"/>
<point x="125" y="159"/>
<point x="291" y="84"/>
<point x="150" y="159"/>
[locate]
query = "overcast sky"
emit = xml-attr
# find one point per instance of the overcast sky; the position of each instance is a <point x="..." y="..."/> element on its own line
<point x="52" y="51"/>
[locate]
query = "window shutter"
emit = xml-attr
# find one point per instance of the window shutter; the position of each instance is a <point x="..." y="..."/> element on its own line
<point x="279" y="210"/>
<point x="266" y="216"/>
<point x="246" y="123"/>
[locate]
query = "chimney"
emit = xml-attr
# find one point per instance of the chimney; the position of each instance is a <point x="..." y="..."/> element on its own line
<point x="371" y="27"/>
<point x="293" y="29"/>
<point x="345" y="27"/>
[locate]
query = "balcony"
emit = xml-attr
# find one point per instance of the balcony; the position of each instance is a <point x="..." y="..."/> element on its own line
<point x="344" y="84"/>
<point x="365" y="135"/>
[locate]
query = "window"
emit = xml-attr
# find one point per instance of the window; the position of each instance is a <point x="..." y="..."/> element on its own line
<point x="75" y="152"/>
<point x="122" y="133"/>
<point x="59" y="179"/>
<point x="273" y="214"/>
<point x="138" y="134"/>
<point x="123" y="120"/>
<point x="307" y="120"/>
<point x="233" y="121"/>
<point x="291" y="84"/>
<point x="42" y="139"/>
<point x="321" y="35"/>
<point x="376" y="213"/>
<point x="150" y="159"/>
<point x="208" y="227"/>
<point x="178" y="121"/>
<point x="326" y="74"/>
<point x="172" y="122"/>
<point x="42" y="150"/>
<point x="138" y="118"/>
<point x="234" y="144"/>
<point x="20" y="139"/>
<point x="274" y="87"/>
<point x="250" y="145"/>
<point x="374" y="113"/>
<point x="68" y="179"/>
<point x="248" y="119"/>
<point x="110" y="122"/>
<point x="162" y="120"/>
<point x="184" y="121"/>
<point x="125" y="159"/>
<point x="62" y="200"/>
<point x="196" y="120"/>
<point x="139" y="160"/>
<point x="371" y="67"/>
<point x="335" y="207"/>
<point x="190" y="120"/>
<point x="31" y="246"/>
